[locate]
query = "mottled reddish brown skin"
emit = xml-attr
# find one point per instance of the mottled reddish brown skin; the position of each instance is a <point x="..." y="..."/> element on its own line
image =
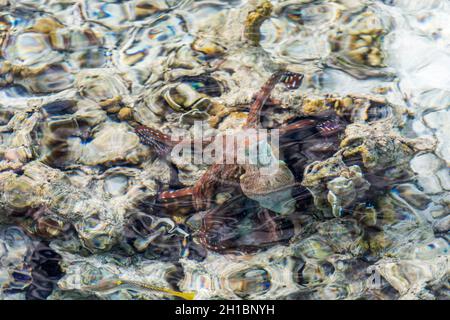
<point x="330" y="127"/>
<point x="159" y="141"/>
<point x="216" y="232"/>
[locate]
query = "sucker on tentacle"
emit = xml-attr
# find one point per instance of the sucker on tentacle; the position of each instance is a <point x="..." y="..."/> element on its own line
<point x="159" y="141"/>
<point x="166" y="195"/>
<point x="292" y="80"/>
<point x="329" y="128"/>
<point x="306" y="123"/>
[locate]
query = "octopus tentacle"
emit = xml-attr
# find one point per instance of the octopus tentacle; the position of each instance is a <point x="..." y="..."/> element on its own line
<point x="205" y="187"/>
<point x="329" y="128"/>
<point x="292" y="80"/>
<point x="301" y="124"/>
<point x="261" y="98"/>
<point x="167" y="195"/>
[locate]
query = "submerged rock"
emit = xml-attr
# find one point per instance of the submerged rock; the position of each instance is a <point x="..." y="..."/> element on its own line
<point x="95" y="95"/>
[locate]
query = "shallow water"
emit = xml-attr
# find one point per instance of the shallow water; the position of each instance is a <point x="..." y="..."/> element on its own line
<point x="86" y="208"/>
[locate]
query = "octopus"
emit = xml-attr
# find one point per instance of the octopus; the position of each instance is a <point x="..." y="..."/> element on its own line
<point x="160" y="142"/>
<point x="250" y="219"/>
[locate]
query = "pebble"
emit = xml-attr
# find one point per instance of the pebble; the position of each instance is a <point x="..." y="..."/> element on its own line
<point x="444" y="178"/>
<point x="425" y="163"/>
<point x="439" y="121"/>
